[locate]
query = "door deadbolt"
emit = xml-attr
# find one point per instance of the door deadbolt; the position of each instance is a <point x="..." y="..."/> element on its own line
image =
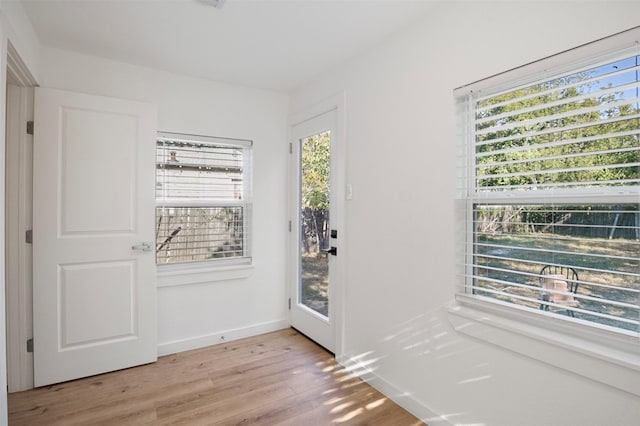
<point x="333" y="251"/>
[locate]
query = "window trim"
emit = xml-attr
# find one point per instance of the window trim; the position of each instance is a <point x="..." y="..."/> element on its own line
<point x="203" y="272"/>
<point x="605" y="356"/>
<point x="601" y="49"/>
<point x="601" y="356"/>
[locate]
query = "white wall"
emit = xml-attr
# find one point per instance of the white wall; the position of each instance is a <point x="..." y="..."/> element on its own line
<point x="196" y="315"/>
<point x="400" y="278"/>
<point x="20" y="32"/>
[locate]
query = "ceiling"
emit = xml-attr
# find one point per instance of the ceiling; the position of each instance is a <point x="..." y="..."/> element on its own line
<point x="268" y="44"/>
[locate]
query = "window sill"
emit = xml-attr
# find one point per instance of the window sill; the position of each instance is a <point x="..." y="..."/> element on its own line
<point x="596" y="354"/>
<point x="178" y="275"/>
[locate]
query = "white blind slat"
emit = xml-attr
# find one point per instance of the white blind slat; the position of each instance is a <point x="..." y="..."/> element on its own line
<point x="558" y="130"/>
<point x="559" y="171"/>
<point x="558" y="117"/>
<point x="486" y="111"/>
<point x="582" y="141"/>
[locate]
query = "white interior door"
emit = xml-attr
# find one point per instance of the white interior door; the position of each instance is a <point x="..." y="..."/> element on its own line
<point x="94" y="291"/>
<point x="315" y="228"/>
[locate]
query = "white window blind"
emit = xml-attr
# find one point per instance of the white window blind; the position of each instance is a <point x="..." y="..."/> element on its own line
<point x="572" y="131"/>
<point x="551" y="179"/>
<point x="202" y="198"/>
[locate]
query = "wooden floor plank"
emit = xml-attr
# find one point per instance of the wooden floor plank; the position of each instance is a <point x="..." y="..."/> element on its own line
<point x="278" y="379"/>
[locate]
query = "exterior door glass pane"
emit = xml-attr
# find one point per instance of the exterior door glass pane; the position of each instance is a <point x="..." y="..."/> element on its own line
<point x="315" y="154"/>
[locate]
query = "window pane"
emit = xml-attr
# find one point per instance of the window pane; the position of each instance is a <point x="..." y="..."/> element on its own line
<point x="550" y="177"/>
<point x="197" y="170"/>
<point x="188" y="234"/>
<point x="580" y="130"/>
<point x="202" y="198"/>
<point x="598" y="244"/>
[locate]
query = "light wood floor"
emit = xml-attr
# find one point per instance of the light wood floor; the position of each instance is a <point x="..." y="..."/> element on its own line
<point x="279" y="378"/>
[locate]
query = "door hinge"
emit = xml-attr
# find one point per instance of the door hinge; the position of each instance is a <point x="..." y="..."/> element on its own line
<point x="290" y="147"/>
<point x="290" y="226"/>
<point x="30" y="127"/>
<point x="289" y="303"/>
<point x="30" y="345"/>
<point x="28" y="236"/>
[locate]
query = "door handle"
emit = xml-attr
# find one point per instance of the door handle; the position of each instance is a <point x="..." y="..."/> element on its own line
<point x="332" y="250"/>
<point x="142" y="247"/>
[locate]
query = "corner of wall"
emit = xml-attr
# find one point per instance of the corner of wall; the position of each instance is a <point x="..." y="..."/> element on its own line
<point x="17" y="28"/>
<point x="400" y="397"/>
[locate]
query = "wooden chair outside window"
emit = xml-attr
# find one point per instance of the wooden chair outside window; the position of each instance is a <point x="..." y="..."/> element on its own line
<point x="559" y="285"/>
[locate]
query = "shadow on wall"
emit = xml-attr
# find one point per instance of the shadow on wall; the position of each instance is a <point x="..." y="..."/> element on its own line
<point x="430" y="338"/>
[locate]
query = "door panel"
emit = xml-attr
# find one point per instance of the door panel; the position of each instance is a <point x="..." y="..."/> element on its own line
<point x="89" y="295"/>
<point x="314" y="193"/>
<point x="94" y="293"/>
<point x="106" y="167"/>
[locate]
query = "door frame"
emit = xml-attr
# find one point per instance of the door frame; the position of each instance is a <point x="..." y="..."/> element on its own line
<point x="18" y="306"/>
<point x="335" y="103"/>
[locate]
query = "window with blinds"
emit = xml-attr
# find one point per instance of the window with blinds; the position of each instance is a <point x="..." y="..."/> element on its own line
<point x="202" y="198"/>
<point x="551" y="177"/>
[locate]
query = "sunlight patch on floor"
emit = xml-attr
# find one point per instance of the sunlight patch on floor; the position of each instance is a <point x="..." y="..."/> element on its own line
<point x="341" y="407"/>
<point x="329" y="369"/>
<point x="346" y="378"/>
<point x="375" y="404"/>
<point x="350" y="385"/>
<point x="349" y="416"/>
<point x="329" y="391"/>
<point x="334" y="400"/>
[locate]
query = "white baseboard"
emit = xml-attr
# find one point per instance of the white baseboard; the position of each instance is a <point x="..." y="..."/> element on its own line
<point x="402" y="398"/>
<point x="196" y="342"/>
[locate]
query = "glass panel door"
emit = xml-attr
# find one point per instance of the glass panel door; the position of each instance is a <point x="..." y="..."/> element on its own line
<point x="314" y="228"/>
